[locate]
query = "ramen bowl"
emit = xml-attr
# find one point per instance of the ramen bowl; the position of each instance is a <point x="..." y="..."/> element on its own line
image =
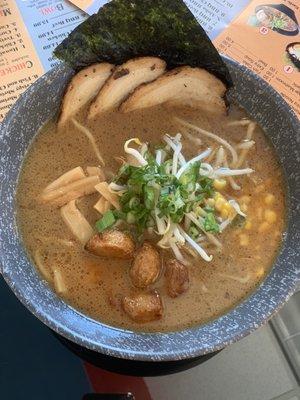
<point x="41" y="103"/>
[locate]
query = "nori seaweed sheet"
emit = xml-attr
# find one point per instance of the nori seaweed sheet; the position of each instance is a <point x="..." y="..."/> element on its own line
<point x="123" y="29"/>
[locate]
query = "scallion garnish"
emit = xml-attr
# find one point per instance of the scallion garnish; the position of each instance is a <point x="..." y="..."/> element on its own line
<point x="210" y="224"/>
<point x="167" y="193"/>
<point x="106" y="221"/>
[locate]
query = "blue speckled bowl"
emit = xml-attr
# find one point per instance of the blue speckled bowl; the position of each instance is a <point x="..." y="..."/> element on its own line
<point x="39" y="103"/>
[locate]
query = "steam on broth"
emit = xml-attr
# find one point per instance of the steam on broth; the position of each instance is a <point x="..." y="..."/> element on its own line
<point x="178" y="254"/>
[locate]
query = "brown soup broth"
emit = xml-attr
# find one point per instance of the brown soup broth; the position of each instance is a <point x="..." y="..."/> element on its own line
<point x="96" y="285"/>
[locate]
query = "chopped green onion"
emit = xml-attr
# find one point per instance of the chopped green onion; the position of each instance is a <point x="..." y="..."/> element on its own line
<point x="209" y="209"/>
<point x="210" y="223"/>
<point x="193" y="232"/>
<point x="106" y="221"/>
<point x="134" y="202"/>
<point x="149" y="197"/>
<point x="152" y="186"/>
<point x="190" y="176"/>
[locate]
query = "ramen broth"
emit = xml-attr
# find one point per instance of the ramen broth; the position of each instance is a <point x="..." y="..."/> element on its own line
<point x="96" y="285"/>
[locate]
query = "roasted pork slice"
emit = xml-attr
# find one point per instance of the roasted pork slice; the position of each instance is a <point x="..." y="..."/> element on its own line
<point x="83" y="87"/>
<point x="183" y="86"/>
<point x="124" y="79"/>
<point x="113" y="243"/>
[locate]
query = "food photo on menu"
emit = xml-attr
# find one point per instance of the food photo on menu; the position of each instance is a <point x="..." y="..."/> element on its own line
<point x="277" y="17"/>
<point x="150" y="198"/>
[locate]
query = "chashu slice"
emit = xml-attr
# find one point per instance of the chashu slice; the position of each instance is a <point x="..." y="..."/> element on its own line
<point x="83" y="87"/>
<point x="124" y="79"/>
<point x="183" y="86"/>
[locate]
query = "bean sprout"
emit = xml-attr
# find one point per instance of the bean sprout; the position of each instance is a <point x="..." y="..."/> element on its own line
<point x="173" y="146"/>
<point x="134" y="152"/>
<point x="91" y="138"/>
<point x="192" y="161"/>
<point x="212" y="136"/>
<point x="196" y="246"/>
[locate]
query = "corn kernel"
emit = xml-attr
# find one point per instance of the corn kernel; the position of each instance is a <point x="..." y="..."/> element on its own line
<point x="269" y="199"/>
<point x="244" y="207"/>
<point x="244" y="239"/>
<point x="224" y="213"/>
<point x="227" y="206"/>
<point x="245" y="199"/>
<point x="219" y="184"/>
<point x="218" y="195"/>
<point x="270" y="216"/>
<point x="231" y="211"/>
<point x="248" y="225"/>
<point x="210" y="202"/>
<point x="264" y="226"/>
<point x="219" y="203"/>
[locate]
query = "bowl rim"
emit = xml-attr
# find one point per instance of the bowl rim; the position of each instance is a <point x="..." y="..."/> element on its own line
<point x="169" y="346"/>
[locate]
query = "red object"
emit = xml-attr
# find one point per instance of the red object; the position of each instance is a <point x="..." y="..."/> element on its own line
<point x="108" y="382"/>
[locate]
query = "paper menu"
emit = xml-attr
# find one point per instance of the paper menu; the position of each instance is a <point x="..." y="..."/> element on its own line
<point x="215" y="15"/>
<point x="89" y="6"/>
<point x="29" y="31"/>
<point x="19" y="65"/>
<point x="260" y="43"/>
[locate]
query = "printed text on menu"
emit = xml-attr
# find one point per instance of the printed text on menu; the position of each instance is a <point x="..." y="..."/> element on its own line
<point x="29" y="31"/>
